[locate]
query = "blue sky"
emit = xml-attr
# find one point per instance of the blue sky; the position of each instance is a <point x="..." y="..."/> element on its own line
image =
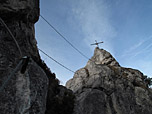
<point x="125" y="26"/>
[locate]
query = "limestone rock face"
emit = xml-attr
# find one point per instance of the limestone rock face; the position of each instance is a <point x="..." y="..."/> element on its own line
<point x="32" y="89"/>
<point x="103" y="87"/>
<point x="25" y="93"/>
<point x="26" y="10"/>
<point x="101" y="56"/>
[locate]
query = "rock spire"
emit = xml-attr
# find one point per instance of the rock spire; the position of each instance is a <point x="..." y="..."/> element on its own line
<point x="104" y="87"/>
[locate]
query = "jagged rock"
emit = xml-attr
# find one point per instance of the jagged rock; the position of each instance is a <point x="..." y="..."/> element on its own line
<point x="25" y="10"/>
<point x="33" y="89"/>
<point x="24" y="93"/>
<point x="104" y="87"/>
<point x="101" y="56"/>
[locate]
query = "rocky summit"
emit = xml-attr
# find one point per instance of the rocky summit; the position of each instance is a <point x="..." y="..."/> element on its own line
<point x="27" y="86"/>
<point x="104" y="87"/>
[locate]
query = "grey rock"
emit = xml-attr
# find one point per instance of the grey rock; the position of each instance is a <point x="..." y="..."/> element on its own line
<point x="36" y="91"/>
<point x="104" y="87"/>
<point x="25" y="10"/>
<point x="101" y="56"/>
<point x="24" y="93"/>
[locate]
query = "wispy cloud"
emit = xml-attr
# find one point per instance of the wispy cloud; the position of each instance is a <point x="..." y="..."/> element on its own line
<point x="143" y="50"/>
<point x="134" y="47"/>
<point x="143" y="63"/>
<point x="139" y="48"/>
<point x="93" y="16"/>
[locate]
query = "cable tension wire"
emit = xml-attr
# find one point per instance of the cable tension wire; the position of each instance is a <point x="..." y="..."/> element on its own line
<point x="9" y="31"/>
<point x="64" y="37"/>
<point x="56" y="61"/>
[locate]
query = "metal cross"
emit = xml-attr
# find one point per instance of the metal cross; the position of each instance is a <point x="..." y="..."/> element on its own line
<point x="97" y="43"/>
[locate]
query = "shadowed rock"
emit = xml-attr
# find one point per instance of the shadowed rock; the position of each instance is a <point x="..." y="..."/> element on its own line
<point x="25" y="92"/>
<point x="33" y="89"/>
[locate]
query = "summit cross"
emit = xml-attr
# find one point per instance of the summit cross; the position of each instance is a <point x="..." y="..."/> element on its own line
<point x="97" y="43"/>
